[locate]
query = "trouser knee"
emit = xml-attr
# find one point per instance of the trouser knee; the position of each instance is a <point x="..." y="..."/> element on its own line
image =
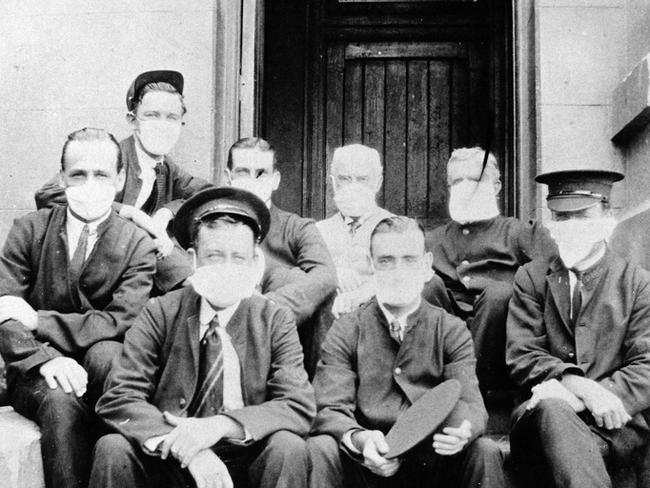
<point x="112" y="450"/>
<point x="326" y="464"/>
<point x="287" y="446"/>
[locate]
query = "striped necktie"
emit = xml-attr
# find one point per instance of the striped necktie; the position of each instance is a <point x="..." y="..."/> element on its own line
<point x="79" y="255"/>
<point x="576" y="297"/>
<point x="208" y="400"/>
<point x="161" y="184"/>
<point x="354" y="225"/>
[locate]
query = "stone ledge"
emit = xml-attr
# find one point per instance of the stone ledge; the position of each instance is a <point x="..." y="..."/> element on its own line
<point x="631" y="103"/>
<point x="21" y="465"/>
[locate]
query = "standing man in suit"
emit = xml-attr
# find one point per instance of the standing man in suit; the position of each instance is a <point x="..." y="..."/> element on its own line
<point x="210" y="388"/>
<point x="299" y="271"/>
<point x="356" y="176"/>
<point x="155" y="186"/>
<point x="579" y="344"/>
<point x="377" y="361"/>
<point x="72" y="280"/>
<point x="477" y="255"/>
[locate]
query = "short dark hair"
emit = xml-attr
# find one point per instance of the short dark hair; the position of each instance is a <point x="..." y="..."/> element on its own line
<point x="396" y="224"/>
<point x="90" y="134"/>
<point x="252" y="143"/>
<point x="216" y="221"/>
<point x="159" y="86"/>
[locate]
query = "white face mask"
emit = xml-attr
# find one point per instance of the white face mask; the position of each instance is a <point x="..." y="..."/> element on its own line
<point x="354" y="199"/>
<point x="158" y="137"/>
<point x="261" y="187"/>
<point x="576" y="238"/>
<point x="224" y="284"/>
<point x="399" y="287"/>
<point x="470" y="201"/>
<point x="90" y="201"/>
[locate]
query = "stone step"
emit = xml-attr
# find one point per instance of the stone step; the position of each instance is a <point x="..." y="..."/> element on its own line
<point x="21" y="465"/>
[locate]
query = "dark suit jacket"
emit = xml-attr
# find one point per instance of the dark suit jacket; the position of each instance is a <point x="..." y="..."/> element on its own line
<point x="159" y="366"/>
<point x="180" y="184"/>
<point x="114" y="285"/>
<point x="468" y="257"/>
<point x="610" y="342"/>
<point x="300" y="273"/>
<point x="631" y="239"/>
<point x="365" y="379"/>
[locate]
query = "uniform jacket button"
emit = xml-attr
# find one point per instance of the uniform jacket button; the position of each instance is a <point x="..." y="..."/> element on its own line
<point x="398" y="370"/>
<point x="182" y="402"/>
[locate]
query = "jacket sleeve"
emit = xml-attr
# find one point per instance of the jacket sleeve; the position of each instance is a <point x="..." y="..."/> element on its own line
<point x="335" y="381"/>
<point x="304" y="288"/>
<point x="290" y="405"/>
<point x="630" y="382"/>
<point x="535" y="242"/>
<point x="75" y="332"/>
<point x="527" y="354"/>
<point x="50" y="194"/>
<point x="184" y="185"/>
<point x="126" y="403"/>
<point x="460" y="364"/>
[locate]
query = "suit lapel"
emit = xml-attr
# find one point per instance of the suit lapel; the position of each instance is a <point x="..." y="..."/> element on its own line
<point x="237" y="329"/>
<point x="558" y="285"/>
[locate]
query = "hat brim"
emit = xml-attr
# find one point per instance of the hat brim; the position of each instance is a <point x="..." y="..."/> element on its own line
<point x="571" y="203"/>
<point x="422" y="418"/>
<point x="185" y="217"/>
<point x="582" y="174"/>
<point x="174" y="78"/>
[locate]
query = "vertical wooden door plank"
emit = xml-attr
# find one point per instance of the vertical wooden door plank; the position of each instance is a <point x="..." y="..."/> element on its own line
<point x="353" y="106"/>
<point x="439" y="137"/>
<point x="395" y="153"/>
<point x="417" y="139"/>
<point x="373" y="107"/>
<point x="459" y="104"/>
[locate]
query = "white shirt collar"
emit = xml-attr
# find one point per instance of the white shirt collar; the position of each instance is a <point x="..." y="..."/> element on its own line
<point x="146" y="162"/>
<point x="402" y="319"/>
<point x="207" y="313"/>
<point x="74" y="225"/>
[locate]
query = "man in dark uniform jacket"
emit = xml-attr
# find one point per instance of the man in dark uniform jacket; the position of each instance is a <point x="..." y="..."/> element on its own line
<point x="579" y="344"/>
<point x="477" y="255"/>
<point x="72" y="280"/>
<point x="211" y="378"/>
<point x="377" y="361"/>
<point x="299" y="271"/>
<point x="155" y="187"/>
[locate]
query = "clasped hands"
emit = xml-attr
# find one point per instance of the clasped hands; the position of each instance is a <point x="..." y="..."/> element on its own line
<point x="372" y="445"/>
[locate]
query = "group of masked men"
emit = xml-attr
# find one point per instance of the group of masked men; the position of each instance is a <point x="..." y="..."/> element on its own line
<point x="165" y="332"/>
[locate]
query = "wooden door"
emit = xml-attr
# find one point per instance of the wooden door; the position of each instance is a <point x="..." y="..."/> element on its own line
<point x="413" y="102"/>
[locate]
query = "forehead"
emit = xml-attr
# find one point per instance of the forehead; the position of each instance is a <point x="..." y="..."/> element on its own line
<point x="160" y="101"/>
<point x="410" y="243"/>
<point x="91" y="155"/>
<point x="252" y="158"/>
<point x="593" y="212"/>
<point x="349" y="165"/>
<point x="226" y="237"/>
<point x="468" y="169"/>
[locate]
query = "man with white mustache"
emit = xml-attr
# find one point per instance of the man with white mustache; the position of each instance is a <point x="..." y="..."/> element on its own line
<point x="72" y="280"/>
<point x="155" y="186"/>
<point x="579" y="345"/>
<point x="477" y="255"/>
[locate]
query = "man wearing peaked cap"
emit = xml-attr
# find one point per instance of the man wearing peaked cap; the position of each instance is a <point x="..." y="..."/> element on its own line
<point x="155" y="186"/>
<point x="579" y="345"/>
<point x="211" y="378"/>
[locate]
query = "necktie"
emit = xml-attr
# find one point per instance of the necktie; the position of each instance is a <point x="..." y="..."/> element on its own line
<point x="208" y="400"/>
<point x="161" y="183"/>
<point x="576" y="297"/>
<point x="79" y="255"/>
<point x="395" y="330"/>
<point x="354" y="225"/>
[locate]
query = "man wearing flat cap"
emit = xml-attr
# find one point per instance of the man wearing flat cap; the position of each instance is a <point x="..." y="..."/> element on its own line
<point x="210" y="389"/>
<point x="155" y="186"/>
<point x="379" y="360"/>
<point x="579" y="345"/>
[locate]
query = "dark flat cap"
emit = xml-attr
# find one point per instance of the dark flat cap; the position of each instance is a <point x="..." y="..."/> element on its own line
<point x="422" y="418"/>
<point x="578" y="189"/>
<point x="174" y="78"/>
<point x="226" y="200"/>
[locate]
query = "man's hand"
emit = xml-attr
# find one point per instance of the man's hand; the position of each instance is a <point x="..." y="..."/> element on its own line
<point x="372" y="444"/>
<point x="554" y="389"/>
<point x="606" y="408"/>
<point x="161" y="219"/>
<point x="209" y="471"/>
<point x="66" y="373"/>
<point x="18" y="309"/>
<point x="453" y="439"/>
<point x="192" y="435"/>
<point x="349" y="279"/>
<point x="155" y="226"/>
<point x="164" y="246"/>
<point x="343" y="303"/>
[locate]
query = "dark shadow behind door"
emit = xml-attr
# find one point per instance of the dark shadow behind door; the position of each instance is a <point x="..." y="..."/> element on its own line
<point x="414" y="80"/>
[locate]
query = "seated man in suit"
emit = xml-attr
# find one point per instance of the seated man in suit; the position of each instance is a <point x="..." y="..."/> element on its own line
<point x="356" y="177"/>
<point x="299" y="272"/>
<point x="579" y="345"/>
<point x="211" y="377"/>
<point x="477" y="255"/>
<point x="72" y="280"/>
<point x="155" y="186"/>
<point x="379" y="360"/>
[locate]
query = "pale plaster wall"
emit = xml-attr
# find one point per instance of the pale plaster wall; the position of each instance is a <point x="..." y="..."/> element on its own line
<point x="582" y="57"/>
<point x="66" y="64"/>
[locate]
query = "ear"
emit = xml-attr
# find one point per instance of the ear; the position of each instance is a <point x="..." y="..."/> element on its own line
<point x="428" y="260"/>
<point x="119" y="182"/>
<point x="259" y="264"/>
<point x="227" y="175"/>
<point x="192" y="253"/>
<point x="131" y="119"/>
<point x="61" y="179"/>
<point x="380" y="180"/>
<point x="333" y="181"/>
<point x="276" y="179"/>
<point x="497" y="187"/>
